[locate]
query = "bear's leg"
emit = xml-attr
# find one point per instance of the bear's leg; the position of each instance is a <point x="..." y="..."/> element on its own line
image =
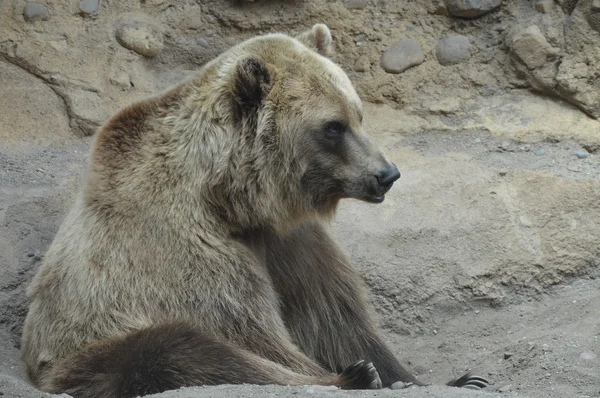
<point x="177" y="355"/>
<point x="325" y="305"/>
<point x="326" y="309"/>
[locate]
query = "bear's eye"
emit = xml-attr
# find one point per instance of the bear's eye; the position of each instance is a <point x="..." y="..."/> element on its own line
<point x="334" y="129"/>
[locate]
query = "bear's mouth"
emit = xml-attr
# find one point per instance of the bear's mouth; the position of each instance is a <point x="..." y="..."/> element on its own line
<point x="375" y="198"/>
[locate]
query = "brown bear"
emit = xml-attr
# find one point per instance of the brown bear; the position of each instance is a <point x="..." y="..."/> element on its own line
<point x="195" y="252"/>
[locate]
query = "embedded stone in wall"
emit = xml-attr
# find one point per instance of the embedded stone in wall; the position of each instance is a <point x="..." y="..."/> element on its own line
<point x="471" y="8"/>
<point x="403" y="54"/>
<point x="89" y="7"/>
<point x="36" y="12"/>
<point x="453" y="50"/>
<point x="143" y="38"/>
<point x="531" y="47"/>
<point x="544" y="6"/>
<point x="362" y="64"/>
<point x="594" y="15"/>
<point x="356" y="4"/>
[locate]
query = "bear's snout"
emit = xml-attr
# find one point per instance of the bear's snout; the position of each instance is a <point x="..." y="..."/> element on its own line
<point x="387" y="176"/>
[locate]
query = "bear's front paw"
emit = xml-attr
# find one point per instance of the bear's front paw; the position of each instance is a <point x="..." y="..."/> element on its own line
<point x="360" y="375"/>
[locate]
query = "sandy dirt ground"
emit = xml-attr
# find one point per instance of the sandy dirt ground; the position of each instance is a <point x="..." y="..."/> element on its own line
<point x="443" y="304"/>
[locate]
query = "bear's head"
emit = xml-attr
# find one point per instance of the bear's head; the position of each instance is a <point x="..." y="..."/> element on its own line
<point x="299" y="145"/>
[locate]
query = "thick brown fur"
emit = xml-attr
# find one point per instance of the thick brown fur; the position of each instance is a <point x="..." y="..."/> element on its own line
<point x="195" y="252"/>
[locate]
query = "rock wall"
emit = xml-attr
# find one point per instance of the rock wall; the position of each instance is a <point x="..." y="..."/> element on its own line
<point x="98" y="55"/>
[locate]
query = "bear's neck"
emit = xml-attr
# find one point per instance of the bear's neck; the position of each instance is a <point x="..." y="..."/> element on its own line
<point x="234" y="166"/>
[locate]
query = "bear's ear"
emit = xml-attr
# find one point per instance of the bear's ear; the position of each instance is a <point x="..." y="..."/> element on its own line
<point x="252" y="83"/>
<point x="318" y="38"/>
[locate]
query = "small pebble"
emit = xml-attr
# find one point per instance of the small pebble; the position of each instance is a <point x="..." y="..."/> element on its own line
<point x="53" y="156"/>
<point x="399" y="385"/>
<point x="360" y="38"/>
<point x="581" y="154"/>
<point x="310" y="390"/>
<point x="505" y="388"/>
<point x="507" y="355"/>
<point x="502" y="172"/>
<point x="587" y="356"/>
<point x="540" y="152"/>
<point x="30" y="254"/>
<point x="477" y="140"/>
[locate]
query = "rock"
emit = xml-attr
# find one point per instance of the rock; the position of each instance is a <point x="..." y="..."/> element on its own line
<point x="507" y="355"/>
<point x="399" y="385"/>
<point x="444" y="107"/>
<point x="544" y="6"/>
<point x="356" y="4"/>
<point x="582" y="154"/>
<point x="567" y="5"/>
<point x="192" y="19"/>
<point x="593" y="17"/>
<point x="30" y="254"/>
<point x="362" y="64"/>
<point x="230" y="41"/>
<point x="36" y="12"/>
<point x="89" y="7"/>
<point x="121" y="79"/>
<point x="531" y="47"/>
<point x="359" y="38"/>
<point x="471" y="8"/>
<point x="87" y="110"/>
<point x="402" y="55"/>
<point x="587" y="356"/>
<point x="504" y="146"/>
<point x="143" y="38"/>
<point x="505" y="388"/>
<point x="546" y="348"/>
<point x="453" y="50"/>
<point x="576" y="85"/>
<point x="540" y="152"/>
<point x="595" y="6"/>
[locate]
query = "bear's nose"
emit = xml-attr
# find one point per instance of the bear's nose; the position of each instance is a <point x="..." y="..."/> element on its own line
<point x="388" y="175"/>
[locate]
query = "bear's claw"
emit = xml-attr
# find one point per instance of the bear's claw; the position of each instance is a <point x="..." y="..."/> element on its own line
<point x="360" y="375"/>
